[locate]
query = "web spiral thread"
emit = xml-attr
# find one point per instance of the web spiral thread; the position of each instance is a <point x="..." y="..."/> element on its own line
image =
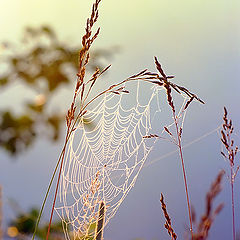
<point x="104" y="157"/>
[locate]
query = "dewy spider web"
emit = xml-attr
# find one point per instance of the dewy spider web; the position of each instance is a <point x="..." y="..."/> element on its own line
<point x="104" y="157"/>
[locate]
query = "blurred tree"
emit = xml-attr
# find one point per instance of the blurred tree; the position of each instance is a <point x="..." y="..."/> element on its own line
<point x="22" y="227"/>
<point x="43" y="64"/>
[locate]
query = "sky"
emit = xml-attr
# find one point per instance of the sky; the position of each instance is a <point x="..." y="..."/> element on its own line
<point x="197" y="42"/>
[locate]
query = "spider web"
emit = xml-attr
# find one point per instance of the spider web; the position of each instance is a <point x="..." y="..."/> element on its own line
<point x="104" y="157"/>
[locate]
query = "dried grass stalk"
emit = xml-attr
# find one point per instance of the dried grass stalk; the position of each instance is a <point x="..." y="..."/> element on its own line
<point x="229" y="154"/>
<point x="163" y="80"/>
<point x="80" y="88"/>
<point x="100" y="222"/>
<point x="210" y="214"/>
<point x="168" y="224"/>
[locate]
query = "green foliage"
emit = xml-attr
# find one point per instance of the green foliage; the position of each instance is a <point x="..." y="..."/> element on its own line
<point x="42" y="64"/>
<point x="25" y="224"/>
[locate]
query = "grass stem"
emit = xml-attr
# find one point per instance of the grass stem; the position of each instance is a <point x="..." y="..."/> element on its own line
<point x="233" y="211"/>
<point x="1" y="215"/>
<point x="184" y="173"/>
<point x="100" y="222"/>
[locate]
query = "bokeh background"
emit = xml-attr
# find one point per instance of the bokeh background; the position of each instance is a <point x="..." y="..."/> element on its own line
<point x="197" y="41"/>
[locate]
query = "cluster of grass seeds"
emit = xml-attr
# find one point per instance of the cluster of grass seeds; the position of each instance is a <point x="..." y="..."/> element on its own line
<point x="168" y="223"/>
<point x="229" y="154"/>
<point x="207" y="219"/>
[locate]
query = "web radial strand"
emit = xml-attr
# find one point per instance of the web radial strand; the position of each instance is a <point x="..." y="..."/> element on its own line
<point x="104" y="157"/>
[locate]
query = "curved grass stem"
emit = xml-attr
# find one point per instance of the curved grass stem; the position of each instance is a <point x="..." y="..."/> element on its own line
<point x="46" y="196"/>
<point x="184" y="173"/>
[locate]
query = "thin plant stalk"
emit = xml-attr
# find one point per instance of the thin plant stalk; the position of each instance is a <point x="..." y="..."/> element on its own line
<point x="48" y="189"/>
<point x="232" y="196"/>
<point x="1" y="215"/>
<point x="168" y="223"/>
<point x="233" y="211"/>
<point x="230" y="154"/>
<point x="100" y="222"/>
<point x="184" y="173"/>
<point x="163" y="81"/>
<point x="56" y="191"/>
